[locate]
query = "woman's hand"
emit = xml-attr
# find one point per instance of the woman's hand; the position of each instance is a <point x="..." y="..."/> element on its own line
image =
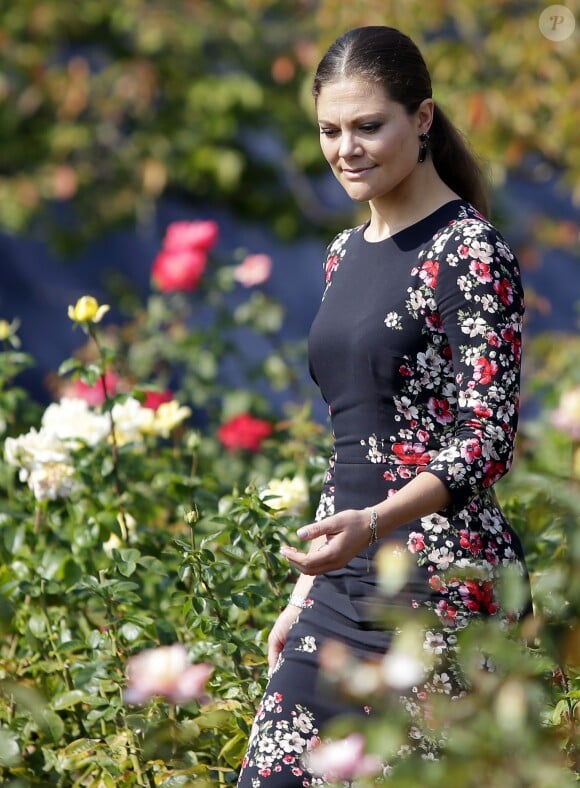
<point x="347" y="534"/>
<point x="279" y="634"/>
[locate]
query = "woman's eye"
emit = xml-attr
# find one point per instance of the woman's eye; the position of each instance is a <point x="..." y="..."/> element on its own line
<point x="370" y="128"/>
<point x="328" y="132"/>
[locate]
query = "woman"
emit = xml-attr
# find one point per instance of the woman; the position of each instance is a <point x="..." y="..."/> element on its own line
<point x="416" y="349"/>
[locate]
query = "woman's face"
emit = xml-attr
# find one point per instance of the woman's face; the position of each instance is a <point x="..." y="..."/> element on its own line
<point x="370" y="141"/>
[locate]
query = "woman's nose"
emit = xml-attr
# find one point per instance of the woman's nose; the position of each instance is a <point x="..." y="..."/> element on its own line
<point x="349" y="145"/>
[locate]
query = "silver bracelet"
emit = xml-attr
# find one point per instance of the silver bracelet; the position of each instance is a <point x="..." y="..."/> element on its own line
<point x="298" y="601"/>
<point x="373" y="524"/>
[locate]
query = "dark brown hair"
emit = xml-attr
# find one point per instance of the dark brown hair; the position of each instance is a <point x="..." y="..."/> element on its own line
<point x="389" y="57"/>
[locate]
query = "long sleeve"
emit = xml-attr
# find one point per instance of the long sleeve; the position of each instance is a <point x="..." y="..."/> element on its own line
<point x="480" y="302"/>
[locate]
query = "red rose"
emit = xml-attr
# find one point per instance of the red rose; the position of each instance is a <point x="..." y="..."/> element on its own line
<point x="244" y="432"/>
<point x="178" y="270"/>
<point x="153" y="399"/>
<point x="190" y="235"/>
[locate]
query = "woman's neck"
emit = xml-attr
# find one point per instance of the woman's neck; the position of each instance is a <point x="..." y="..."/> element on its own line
<point x="409" y="204"/>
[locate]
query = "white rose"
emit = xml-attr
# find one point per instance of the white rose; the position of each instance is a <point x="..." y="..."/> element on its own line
<point x="288" y="496"/>
<point x="52" y="480"/>
<point x="131" y="421"/>
<point x="72" y="419"/>
<point x="34" y="449"/>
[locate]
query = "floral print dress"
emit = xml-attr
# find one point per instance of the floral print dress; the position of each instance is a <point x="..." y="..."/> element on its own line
<point x="416" y="349"/>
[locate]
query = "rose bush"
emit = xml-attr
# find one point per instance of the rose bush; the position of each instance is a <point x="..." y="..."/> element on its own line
<point x="141" y="516"/>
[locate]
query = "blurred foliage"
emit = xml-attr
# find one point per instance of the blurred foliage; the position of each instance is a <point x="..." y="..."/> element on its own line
<point x="169" y="538"/>
<point x="105" y="105"/>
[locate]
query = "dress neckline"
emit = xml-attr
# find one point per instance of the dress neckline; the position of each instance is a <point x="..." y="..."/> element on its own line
<point x="443" y="209"/>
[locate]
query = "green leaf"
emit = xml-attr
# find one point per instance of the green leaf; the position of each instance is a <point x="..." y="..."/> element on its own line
<point x="9" y="749"/>
<point x="37" y="624"/>
<point x="130" y="632"/>
<point x="51" y="725"/>
<point x="66" y="700"/>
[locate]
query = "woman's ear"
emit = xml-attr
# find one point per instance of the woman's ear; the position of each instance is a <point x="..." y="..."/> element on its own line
<point x="424" y="115"/>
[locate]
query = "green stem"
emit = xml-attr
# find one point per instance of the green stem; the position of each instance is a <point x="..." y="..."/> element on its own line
<point x="114" y="445"/>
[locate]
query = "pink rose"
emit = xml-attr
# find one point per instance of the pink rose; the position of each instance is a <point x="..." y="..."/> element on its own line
<point x="153" y="399"/>
<point x="342" y="760"/>
<point x="93" y="395"/>
<point x="567" y="415"/>
<point x="178" y="270"/>
<point x="191" y="235"/>
<point x="254" y="270"/>
<point x="244" y="432"/>
<point x="165" y="671"/>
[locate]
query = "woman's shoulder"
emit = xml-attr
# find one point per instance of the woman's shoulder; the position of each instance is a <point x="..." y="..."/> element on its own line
<point x="340" y="240"/>
<point x="469" y="234"/>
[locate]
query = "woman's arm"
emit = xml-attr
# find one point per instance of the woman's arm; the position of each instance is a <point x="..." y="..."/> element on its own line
<point x="348" y="533"/>
<point x="479" y="299"/>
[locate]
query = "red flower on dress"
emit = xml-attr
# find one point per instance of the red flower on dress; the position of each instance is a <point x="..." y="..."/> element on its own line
<point x="411" y="453"/>
<point x="504" y="290"/>
<point x="471" y="450"/>
<point x="429" y="273"/>
<point x="447" y="613"/>
<point x="493" y="471"/>
<point x="482" y="411"/>
<point x="478" y="596"/>
<point x="435" y="322"/>
<point x="480" y="270"/>
<point x="485" y="370"/>
<point x="440" y="410"/>
<point x="244" y="432"/>
<point x="437" y="584"/>
<point x="471" y="540"/>
<point x="415" y="542"/>
<point x="331" y="266"/>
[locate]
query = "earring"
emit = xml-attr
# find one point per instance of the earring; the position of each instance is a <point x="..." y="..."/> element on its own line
<point x="423" y="147"/>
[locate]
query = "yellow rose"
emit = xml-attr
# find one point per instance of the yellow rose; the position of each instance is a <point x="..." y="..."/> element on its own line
<point x="7" y="330"/>
<point x="167" y="416"/>
<point x="287" y="496"/>
<point x="87" y="310"/>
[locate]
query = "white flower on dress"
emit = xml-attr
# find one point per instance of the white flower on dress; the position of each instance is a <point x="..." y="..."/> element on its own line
<point x="393" y="320"/>
<point x="472" y="326"/>
<point x="307" y="644"/>
<point x="441" y="683"/>
<point x="434" y="643"/>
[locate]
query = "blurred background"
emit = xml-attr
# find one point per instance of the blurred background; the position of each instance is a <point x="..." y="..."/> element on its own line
<point x="118" y="117"/>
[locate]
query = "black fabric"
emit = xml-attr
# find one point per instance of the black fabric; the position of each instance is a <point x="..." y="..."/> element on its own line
<point x="416" y="349"/>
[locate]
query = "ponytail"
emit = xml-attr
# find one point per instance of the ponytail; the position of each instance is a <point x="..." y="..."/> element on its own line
<point x="455" y="163"/>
